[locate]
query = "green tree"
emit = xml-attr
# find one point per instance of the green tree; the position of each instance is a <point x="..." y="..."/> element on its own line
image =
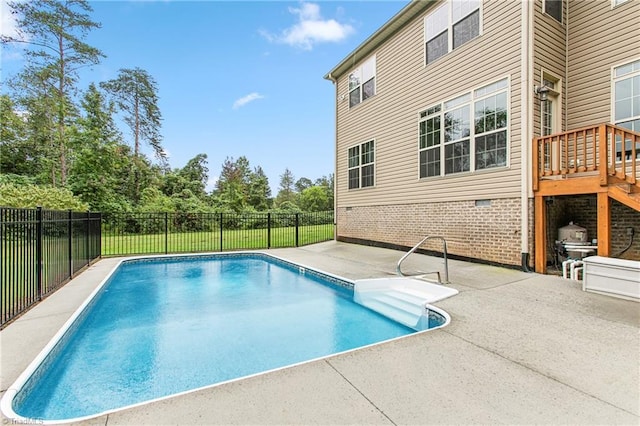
<point x="31" y="196"/>
<point x="326" y="182"/>
<point x="196" y="174"/>
<point x="232" y="188"/>
<point x="135" y="94"/>
<point x="302" y="184"/>
<point x="314" y="199"/>
<point x="153" y="200"/>
<point x="15" y="150"/>
<point x="193" y="177"/>
<point x="259" y="190"/>
<point x="286" y="189"/>
<point x="35" y="96"/>
<point x="54" y="32"/>
<point x="97" y="167"/>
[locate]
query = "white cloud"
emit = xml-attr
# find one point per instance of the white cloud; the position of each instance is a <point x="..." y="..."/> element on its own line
<point x="310" y="29"/>
<point x="8" y="21"/>
<point x="246" y="99"/>
<point x="9" y="29"/>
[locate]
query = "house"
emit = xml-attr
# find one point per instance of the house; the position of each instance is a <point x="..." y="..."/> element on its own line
<point x="492" y="124"/>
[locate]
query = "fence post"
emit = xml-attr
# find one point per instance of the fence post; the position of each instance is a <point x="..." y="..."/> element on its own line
<point x="69" y="233"/>
<point x="166" y="232"/>
<point x="269" y="230"/>
<point x="39" y="250"/>
<point x="100" y="235"/>
<point x="297" y="228"/>
<point x="86" y="238"/>
<point x="221" y="227"/>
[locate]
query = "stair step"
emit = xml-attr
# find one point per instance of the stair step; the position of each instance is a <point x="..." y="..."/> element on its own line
<point x="395" y="312"/>
<point x="406" y="296"/>
<point x="402" y="299"/>
<point x="626" y="187"/>
<point x="412" y="306"/>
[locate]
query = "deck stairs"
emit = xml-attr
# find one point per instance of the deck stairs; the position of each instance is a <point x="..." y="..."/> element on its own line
<point x="626" y="194"/>
<point x="403" y="299"/>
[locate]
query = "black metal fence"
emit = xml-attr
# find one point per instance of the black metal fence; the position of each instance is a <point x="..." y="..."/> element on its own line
<point x="181" y="232"/>
<point x="39" y="251"/>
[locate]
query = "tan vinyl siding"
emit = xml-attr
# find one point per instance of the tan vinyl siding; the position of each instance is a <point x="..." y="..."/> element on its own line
<point x="549" y="55"/>
<point x="600" y="37"/>
<point x="404" y="87"/>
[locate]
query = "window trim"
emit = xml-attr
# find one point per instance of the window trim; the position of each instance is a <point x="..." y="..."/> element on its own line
<point x="449" y="28"/>
<point x="556" y="94"/>
<point x="361" y="165"/>
<point x="361" y="83"/>
<point x="616" y="3"/>
<point x="614" y="79"/>
<point x="473" y="98"/>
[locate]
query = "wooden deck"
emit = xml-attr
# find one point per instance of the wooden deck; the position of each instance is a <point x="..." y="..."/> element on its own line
<point x="602" y="160"/>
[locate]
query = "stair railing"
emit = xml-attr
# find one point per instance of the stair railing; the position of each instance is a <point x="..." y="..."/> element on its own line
<point x="446" y="265"/>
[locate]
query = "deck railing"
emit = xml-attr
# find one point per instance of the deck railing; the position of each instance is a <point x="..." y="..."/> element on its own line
<point x="604" y="150"/>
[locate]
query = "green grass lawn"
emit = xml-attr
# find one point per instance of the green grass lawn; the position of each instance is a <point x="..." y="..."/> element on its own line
<point x="185" y="242"/>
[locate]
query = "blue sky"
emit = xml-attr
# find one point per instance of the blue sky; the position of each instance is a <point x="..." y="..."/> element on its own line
<point x="237" y="77"/>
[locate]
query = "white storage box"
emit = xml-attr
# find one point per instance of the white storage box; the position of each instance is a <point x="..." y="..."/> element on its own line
<point x="614" y="277"/>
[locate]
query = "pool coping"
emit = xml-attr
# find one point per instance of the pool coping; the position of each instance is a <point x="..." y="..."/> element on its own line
<point x="8" y="396"/>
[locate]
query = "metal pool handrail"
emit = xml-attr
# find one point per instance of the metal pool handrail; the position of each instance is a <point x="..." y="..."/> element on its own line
<point x="446" y="265"/>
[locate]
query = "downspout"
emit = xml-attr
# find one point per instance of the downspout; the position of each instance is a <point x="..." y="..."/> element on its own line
<point x="526" y="120"/>
<point x="335" y="165"/>
<point x="565" y="87"/>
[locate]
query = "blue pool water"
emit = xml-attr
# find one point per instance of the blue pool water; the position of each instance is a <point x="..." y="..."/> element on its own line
<point x="163" y="326"/>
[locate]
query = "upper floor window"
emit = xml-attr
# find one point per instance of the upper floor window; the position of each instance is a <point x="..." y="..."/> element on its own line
<point x="362" y="82"/>
<point x="466" y="133"/>
<point x="362" y="165"/>
<point x="626" y="99"/>
<point x="553" y="8"/>
<point x="450" y="26"/>
<point x="614" y="3"/>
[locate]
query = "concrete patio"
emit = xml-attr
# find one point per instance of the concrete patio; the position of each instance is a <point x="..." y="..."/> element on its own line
<point x="522" y="348"/>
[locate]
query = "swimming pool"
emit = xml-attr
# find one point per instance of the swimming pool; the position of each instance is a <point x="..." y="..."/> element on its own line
<point x="165" y="325"/>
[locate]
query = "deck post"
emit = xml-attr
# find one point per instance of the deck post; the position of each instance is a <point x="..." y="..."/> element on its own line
<point x="604" y="224"/>
<point x="540" y="235"/>
<point x="535" y="164"/>
<point x="603" y="154"/>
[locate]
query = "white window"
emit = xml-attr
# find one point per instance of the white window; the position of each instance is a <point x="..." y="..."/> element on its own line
<point x="466" y="133"/>
<point x="491" y="126"/>
<point x="550" y="113"/>
<point x="362" y="165"/>
<point x="430" y="141"/>
<point x="553" y="8"/>
<point x="550" y="120"/>
<point x="450" y="26"/>
<point x="457" y="135"/>
<point x="614" y="3"/>
<point x="626" y="101"/>
<point x="362" y="82"/>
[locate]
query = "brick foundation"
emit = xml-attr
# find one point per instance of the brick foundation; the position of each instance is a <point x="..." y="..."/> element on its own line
<point x="488" y="231"/>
